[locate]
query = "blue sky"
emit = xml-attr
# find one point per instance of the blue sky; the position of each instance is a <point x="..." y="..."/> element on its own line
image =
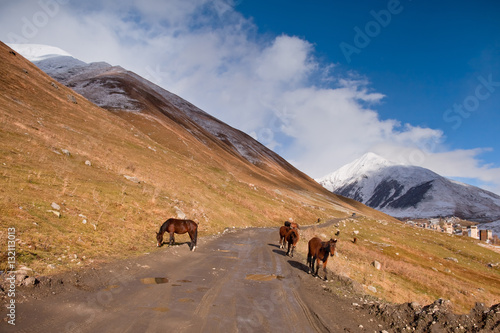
<point x="427" y="58"/>
<point x="321" y="82"/>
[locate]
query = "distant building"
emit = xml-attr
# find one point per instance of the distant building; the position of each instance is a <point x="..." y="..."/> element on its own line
<point x="473" y="232"/>
<point x="448" y="228"/>
<point x="485" y="235"/>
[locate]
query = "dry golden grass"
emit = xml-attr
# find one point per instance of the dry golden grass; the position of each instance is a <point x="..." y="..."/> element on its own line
<point x="417" y="264"/>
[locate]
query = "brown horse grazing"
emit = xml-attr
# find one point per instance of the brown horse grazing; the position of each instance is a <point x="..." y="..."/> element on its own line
<point x="283" y="232"/>
<point x="179" y="227"/>
<point x="292" y="237"/>
<point x="319" y="251"/>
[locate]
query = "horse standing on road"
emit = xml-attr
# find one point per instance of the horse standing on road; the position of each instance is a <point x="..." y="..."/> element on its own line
<point x="178" y="227"/>
<point x="319" y="251"/>
<point x="283" y="232"/>
<point x="292" y="238"/>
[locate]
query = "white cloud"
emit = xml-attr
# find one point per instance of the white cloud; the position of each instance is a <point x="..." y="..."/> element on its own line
<point x="206" y="52"/>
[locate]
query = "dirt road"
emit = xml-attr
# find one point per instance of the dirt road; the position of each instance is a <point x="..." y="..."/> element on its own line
<point x="237" y="282"/>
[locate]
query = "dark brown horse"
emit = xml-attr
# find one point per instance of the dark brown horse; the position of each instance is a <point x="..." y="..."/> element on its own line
<point x="179" y="227"/>
<point x="283" y="232"/>
<point x="319" y="251"/>
<point x="292" y="237"/>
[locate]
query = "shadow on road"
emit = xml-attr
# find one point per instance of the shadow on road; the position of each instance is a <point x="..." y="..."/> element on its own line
<point x="281" y="252"/>
<point x="298" y="265"/>
<point x="294" y="263"/>
<point x="175" y="244"/>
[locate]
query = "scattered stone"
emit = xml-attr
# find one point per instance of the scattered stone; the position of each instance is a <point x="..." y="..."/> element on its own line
<point x="20" y="277"/>
<point x="51" y="266"/>
<point x="372" y="289"/>
<point x="55" y="206"/>
<point x="30" y="282"/>
<point x="132" y="179"/>
<point x="451" y="259"/>
<point x="66" y="152"/>
<point x="55" y="212"/>
<point x="88" y="163"/>
<point x="377" y="265"/>
<point x="54" y="85"/>
<point x="415" y="305"/>
<point x="180" y="213"/>
<point x="72" y="99"/>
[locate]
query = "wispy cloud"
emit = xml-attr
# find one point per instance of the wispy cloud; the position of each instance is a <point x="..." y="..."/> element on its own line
<point x="272" y="87"/>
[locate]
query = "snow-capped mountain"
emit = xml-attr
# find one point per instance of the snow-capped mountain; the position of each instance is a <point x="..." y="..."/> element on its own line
<point x="410" y="191"/>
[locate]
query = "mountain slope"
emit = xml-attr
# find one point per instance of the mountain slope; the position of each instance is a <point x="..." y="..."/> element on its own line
<point x="409" y="191"/>
<point x="117" y="174"/>
<point x="117" y="89"/>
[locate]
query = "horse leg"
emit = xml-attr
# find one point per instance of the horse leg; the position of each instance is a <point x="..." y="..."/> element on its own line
<point x="309" y="259"/>
<point x="324" y="270"/>
<point x="193" y="236"/>
<point x="317" y="266"/>
<point x="172" y="239"/>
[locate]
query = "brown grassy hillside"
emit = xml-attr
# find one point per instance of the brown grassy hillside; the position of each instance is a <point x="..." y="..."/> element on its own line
<point x="47" y="135"/>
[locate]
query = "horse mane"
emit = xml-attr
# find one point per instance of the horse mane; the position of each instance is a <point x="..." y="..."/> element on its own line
<point x="163" y="227"/>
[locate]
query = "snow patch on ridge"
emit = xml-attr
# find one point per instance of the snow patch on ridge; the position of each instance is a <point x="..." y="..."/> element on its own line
<point x="38" y="52"/>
